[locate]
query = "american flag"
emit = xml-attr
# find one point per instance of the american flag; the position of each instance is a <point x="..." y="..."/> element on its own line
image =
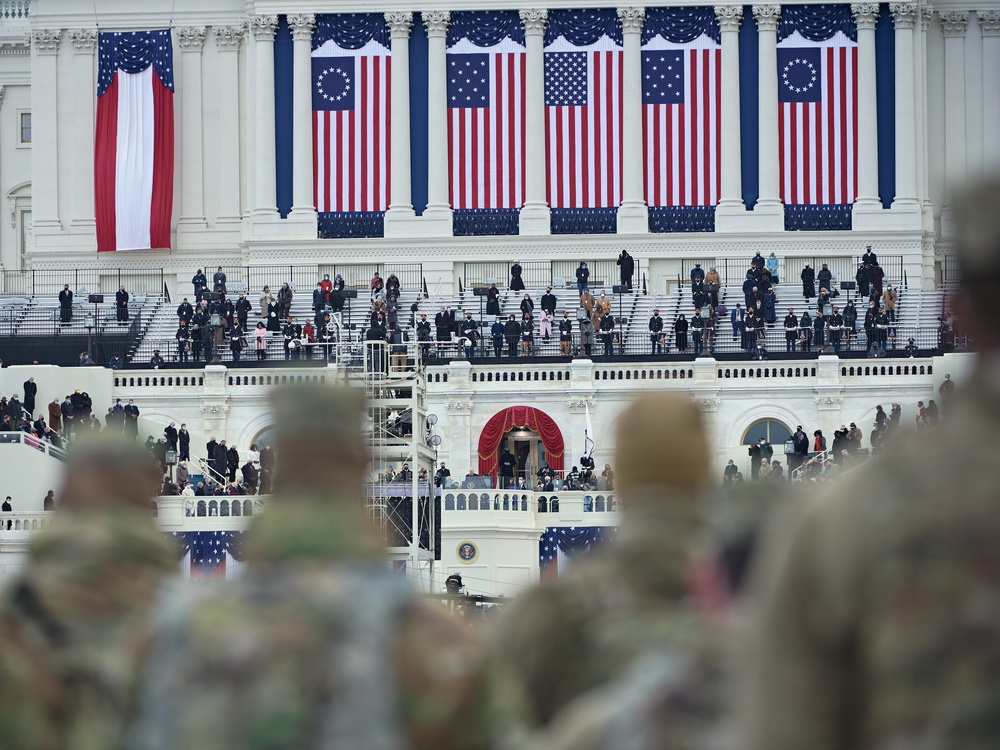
<point x="351" y="127"/>
<point x="583" y="126"/>
<point x="486" y="98"/>
<point x="207" y="555"/>
<point x="558" y="545"/>
<point x="818" y="120"/>
<point x="681" y="98"/>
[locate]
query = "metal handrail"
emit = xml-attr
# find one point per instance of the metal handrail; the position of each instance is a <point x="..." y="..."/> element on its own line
<point x="32" y="441"/>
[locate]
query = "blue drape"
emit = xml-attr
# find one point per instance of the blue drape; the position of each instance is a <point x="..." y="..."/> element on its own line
<point x="470" y="222"/>
<point x="681" y="25"/>
<point x="485" y="28"/>
<point x="665" y="219"/>
<point x="818" y="218"/>
<point x="350" y="30"/>
<point x="351" y="224"/>
<point x="583" y="27"/>
<point x="204" y="544"/>
<point x="133" y="52"/>
<point x="749" y="84"/>
<point x="817" y="23"/>
<point x="584" y="220"/>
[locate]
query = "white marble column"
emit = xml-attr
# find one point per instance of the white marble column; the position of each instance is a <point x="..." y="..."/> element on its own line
<point x="769" y="198"/>
<point x="44" y="114"/>
<point x="84" y="83"/>
<point x="989" y="26"/>
<point x="400" y="201"/>
<point x="303" y="204"/>
<point x="866" y="16"/>
<point x="191" y="41"/>
<point x="953" y="25"/>
<point x="438" y="209"/>
<point x="265" y="192"/>
<point x="633" y="214"/>
<point x="731" y="190"/>
<point x="904" y="16"/>
<point x="535" y="215"/>
<point x="228" y="40"/>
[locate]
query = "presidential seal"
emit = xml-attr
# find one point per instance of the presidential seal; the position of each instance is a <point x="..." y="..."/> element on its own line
<point x="467" y="551"/>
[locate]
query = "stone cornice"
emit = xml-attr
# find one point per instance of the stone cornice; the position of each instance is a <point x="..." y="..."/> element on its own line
<point x="632" y="19"/>
<point x="954" y="22"/>
<point x="729" y="16"/>
<point x="191" y="38"/>
<point x="399" y="22"/>
<point x="767" y="17"/>
<point x="534" y="20"/>
<point x="437" y="22"/>
<point x="84" y="40"/>
<point x="865" y="15"/>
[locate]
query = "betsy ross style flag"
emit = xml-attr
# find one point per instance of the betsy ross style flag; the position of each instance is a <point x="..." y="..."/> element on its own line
<point x="558" y="545"/>
<point x="583" y="109"/>
<point x="351" y="76"/>
<point x="681" y="105"/>
<point x="210" y="555"/>
<point x="818" y="106"/>
<point x="134" y="140"/>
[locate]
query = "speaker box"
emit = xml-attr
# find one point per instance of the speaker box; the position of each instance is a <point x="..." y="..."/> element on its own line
<point x="95" y="299"/>
<point x="350" y="293"/>
<point x="848" y="285"/>
<point x="480" y="291"/>
<point x="619" y="289"/>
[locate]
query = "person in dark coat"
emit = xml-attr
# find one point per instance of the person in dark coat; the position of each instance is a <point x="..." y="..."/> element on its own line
<point x="582" y="278"/>
<point x="221" y="463"/>
<point x="232" y="462"/>
<point x="273" y="321"/>
<point x="681" y="333"/>
<point x="243" y="308"/>
<point x="184" y="443"/>
<point x="748" y="288"/>
<point x="219" y="280"/>
<point x="496" y="335"/>
<point x="878" y="275"/>
<point x="512" y="333"/>
<point x="808" y="281"/>
<point x="869" y="258"/>
<point x="493" y="300"/>
<point x="626" y="267"/>
<point x="819" y="327"/>
<point x="770" y="300"/>
<point x="200" y="283"/>
<point x="121" y="305"/>
<point x="65" y="305"/>
<point x="516" y="282"/>
<point x="30" y="391"/>
<point x="824" y="277"/>
<point x="864" y="279"/>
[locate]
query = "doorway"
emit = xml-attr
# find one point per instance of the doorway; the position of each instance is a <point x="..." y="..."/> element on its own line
<point x="529" y="452"/>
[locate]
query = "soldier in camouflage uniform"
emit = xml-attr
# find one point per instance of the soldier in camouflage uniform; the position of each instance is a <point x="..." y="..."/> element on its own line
<point x="319" y="646"/>
<point x="570" y="655"/>
<point x="879" y="619"/>
<point x="72" y="623"/>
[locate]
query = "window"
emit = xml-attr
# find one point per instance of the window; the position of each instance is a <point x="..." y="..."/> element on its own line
<point x="774" y="432"/>
<point x="24" y="124"/>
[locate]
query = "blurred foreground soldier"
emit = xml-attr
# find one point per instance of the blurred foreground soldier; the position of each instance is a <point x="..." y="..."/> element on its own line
<point x="622" y="608"/>
<point x="319" y="646"/>
<point x="878" y="621"/>
<point x="73" y="621"/>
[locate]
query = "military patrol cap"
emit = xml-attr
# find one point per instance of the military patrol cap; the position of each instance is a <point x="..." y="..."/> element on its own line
<point x="661" y="441"/>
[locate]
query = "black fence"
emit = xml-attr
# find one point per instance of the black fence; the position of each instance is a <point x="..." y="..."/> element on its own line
<point x="844" y="268"/>
<point x="83" y="281"/>
<point x="540" y="274"/>
<point x="252" y="279"/>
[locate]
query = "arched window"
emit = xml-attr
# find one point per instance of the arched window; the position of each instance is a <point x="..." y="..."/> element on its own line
<point x="776" y="433"/>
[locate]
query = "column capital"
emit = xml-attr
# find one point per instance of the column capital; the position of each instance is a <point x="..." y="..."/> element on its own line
<point x="84" y="40"/>
<point x="46" y="41"/>
<point x="865" y="15"/>
<point x="191" y="38"/>
<point x="229" y="37"/>
<point x="989" y="22"/>
<point x="904" y="15"/>
<point x="926" y="14"/>
<point x="534" y="20"/>
<point x="767" y="17"/>
<point x="302" y="25"/>
<point x="729" y="16"/>
<point x="437" y="22"/>
<point x="400" y="22"/>
<point x="954" y="22"/>
<point x="632" y="19"/>
<point x="263" y="27"/>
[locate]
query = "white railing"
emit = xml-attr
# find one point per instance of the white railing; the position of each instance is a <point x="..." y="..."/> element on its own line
<point x="596" y="507"/>
<point x="14" y="10"/>
<point x="32" y="441"/>
<point x="19" y="522"/>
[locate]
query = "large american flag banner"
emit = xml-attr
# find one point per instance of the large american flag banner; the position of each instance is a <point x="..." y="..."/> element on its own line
<point x="681" y="100"/>
<point x="583" y="123"/>
<point x="559" y="544"/>
<point x="486" y="123"/>
<point x="818" y="120"/>
<point x="210" y="555"/>
<point x="350" y="121"/>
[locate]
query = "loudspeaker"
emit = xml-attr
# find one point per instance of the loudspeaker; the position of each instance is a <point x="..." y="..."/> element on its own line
<point x="211" y="296"/>
<point x="350" y="293"/>
<point x="480" y="291"/>
<point x="619" y="289"/>
<point x="95" y="299"/>
<point x="848" y="285"/>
